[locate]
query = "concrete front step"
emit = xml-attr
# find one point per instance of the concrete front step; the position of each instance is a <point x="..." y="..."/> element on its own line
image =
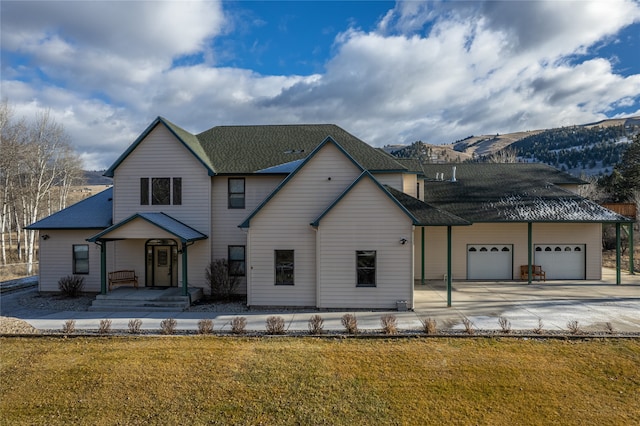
<point x="145" y="300"/>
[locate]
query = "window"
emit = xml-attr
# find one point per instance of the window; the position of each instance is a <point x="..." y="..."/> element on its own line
<point x="237" y="261"/>
<point x="81" y="259"/>
<point x="236" y="193"/>
<point x="160" y="191"/>
<point x="366" y="268"/>
<point x="284" y="267"/>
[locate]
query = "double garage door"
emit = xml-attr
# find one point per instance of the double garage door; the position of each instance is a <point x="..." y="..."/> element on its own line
<point x="561" y="261"/>
<point x="495" y="261"/>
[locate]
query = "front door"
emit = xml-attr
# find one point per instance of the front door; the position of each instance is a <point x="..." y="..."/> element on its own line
<point x="162" y="263"/>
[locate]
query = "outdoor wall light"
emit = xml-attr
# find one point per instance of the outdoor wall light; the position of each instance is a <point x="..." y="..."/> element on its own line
<point x="403" y="241"/>
<point x="45" y="237"/>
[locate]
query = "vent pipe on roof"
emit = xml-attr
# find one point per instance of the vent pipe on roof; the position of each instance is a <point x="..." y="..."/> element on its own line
<point x="453" y="174"/>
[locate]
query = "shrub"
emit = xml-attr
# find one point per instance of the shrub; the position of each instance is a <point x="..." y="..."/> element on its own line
<point x="505" y="325"/>
<point x="168" y="326"/>
<point x="105" y="326"/>
<point x="238" y="325"/>
<point x="275" y="325"/>
<point x="429" y="325"/>
<point x="538" y="329"/>
<point x="71" y="285"/>
<point x="205" y="326"/>
<point x="135" y="326"/>
<point x="221" y="279"/>
<point x="574" y="327"/>
<point x="316" y="325"/>
<point x="389" y="324"/>
<point x="69" y="326"/>
<point x="468" y="325"/>
<point x="350" y="323"/>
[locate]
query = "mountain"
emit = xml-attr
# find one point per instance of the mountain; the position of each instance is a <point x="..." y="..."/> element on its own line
<point x="590" y="149"/>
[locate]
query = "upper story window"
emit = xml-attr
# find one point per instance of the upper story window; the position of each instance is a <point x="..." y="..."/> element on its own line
<point x="236" y="193"/>
<point x="160" y="191"/>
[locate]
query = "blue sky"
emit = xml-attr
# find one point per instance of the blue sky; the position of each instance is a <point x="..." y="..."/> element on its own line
<point x="388" y="72"/>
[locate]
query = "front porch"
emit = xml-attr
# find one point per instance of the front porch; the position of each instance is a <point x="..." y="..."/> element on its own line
<point x="146" y="299"/>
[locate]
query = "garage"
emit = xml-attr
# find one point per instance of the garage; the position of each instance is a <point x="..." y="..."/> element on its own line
<point x="561" y="261"/>
<point x="490" y="261"/>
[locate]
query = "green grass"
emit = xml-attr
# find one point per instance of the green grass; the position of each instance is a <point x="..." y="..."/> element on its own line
<point x="275" y="381"/>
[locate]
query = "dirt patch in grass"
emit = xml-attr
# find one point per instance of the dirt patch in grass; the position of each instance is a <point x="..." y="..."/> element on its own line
<point x="221" y="380"/>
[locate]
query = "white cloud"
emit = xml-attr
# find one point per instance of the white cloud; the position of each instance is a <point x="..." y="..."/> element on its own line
<point x="431" y="71"/>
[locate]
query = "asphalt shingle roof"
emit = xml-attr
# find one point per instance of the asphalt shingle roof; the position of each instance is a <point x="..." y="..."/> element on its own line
<point x="518" y="192"/>
<point x="94" y="212"/>
<point x="163" y="221"/>
<point x="425" y="214"/>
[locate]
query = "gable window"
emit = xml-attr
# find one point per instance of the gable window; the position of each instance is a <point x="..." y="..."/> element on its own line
<point x="236" y="193"/>
<point x="237" y="261"/>
<point x="160" y="191"/>
<point x="366" y="268"/>
<point x="284" y="267"/>
<point x="80" y="258"/>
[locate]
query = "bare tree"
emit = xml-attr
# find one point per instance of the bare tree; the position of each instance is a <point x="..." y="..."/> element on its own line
<point x="506" y="155"/>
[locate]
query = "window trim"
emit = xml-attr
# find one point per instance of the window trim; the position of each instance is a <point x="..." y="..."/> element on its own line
<point x="75" y="259"/>
<point x="230" y="193"/>
<point x="374" y="268"/>
<point x="243" y="261"/>
<point x="275" y="269"/>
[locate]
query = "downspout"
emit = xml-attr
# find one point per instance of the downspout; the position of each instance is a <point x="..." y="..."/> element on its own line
<point x="618" y="253"/>
<point x="529" y="251"/>
<point x="449" y="266"/>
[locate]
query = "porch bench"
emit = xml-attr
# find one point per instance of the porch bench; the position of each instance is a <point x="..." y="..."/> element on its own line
<point x="536" y="272"/>
<point x="123" y="277"/>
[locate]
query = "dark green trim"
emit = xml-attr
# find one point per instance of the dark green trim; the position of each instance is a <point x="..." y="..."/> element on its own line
<point x="631" y="248"/>
<point x="328" y="139"/>
<point x="448" y="266"/>
<point x="422" y="255"/>
<point x="185" y="282"/>
<point x="618" y="278"/>
<point x="529" y="252"/>
<point x="112" y="228"/>
<point x="103" y="267"/>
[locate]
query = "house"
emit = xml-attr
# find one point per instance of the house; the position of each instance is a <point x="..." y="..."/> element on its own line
<point x="310" y="215"/>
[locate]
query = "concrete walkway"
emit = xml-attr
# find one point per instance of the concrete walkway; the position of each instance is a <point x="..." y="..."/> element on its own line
<point x="555" y="303"/>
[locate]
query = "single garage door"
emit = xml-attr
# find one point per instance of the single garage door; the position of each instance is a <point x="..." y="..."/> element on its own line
<point x="490" y="262"/>
<point x="561" y="261"/>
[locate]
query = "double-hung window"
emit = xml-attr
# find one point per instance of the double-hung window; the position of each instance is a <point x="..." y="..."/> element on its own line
<point x="366" y="268"/>
<point x="237" y="261"/>
<point x="160" y="191"/>
<point x="284" y="267"/>
<point x="236" y="193"/>
<point x="80" y="258"/>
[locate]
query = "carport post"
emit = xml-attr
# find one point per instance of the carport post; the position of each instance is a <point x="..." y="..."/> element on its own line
<point x="529" y="250"/>
<point x="631" y="266"/>
<point x="449" y="266"/>
<point x="618" y="253"/>
<point x="185" y="291"/>
<point x="422" y="255"/>
<point x="103" y="266"/>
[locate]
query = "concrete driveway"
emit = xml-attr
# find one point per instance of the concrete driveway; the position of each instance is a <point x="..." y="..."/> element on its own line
<point x="555" y="303"/>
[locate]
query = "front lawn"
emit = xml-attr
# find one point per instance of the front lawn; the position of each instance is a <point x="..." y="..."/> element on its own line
<point x="275" y="381"/>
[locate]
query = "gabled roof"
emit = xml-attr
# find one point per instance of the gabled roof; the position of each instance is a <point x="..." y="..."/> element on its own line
<point x="420" y="214"/>
<point x="187" y="139"/>
<point x="247" y="149"/>
<point x="328" y="140"/>
<point x="94" y="212"/>
<point x="163" y="221"/>
<point x="518" y="192"/>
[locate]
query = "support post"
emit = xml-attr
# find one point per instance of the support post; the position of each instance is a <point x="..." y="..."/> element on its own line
<point x="103" y="267"/>
<point x="529" y="252"/>
<point x="185" y="285"/>
<point x="449" y="266"/>
<point x="618" y="253"/>
<point x="422" y="255"/>
<point x="631" y="265"/>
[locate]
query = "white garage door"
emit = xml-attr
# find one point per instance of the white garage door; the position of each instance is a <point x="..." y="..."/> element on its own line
<point x="561" y="261"/>
<point x="490" y="262"/>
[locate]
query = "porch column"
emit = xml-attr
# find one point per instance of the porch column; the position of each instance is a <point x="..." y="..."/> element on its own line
<point x="618" y="253"/>
<point x="185" y="285"/>
<point x="449" y="266"/>
<point x="529" y="251"/>
<point x="422" y="255"/>
<point x="631" y="266"/>
<point x="103" y="267"/>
